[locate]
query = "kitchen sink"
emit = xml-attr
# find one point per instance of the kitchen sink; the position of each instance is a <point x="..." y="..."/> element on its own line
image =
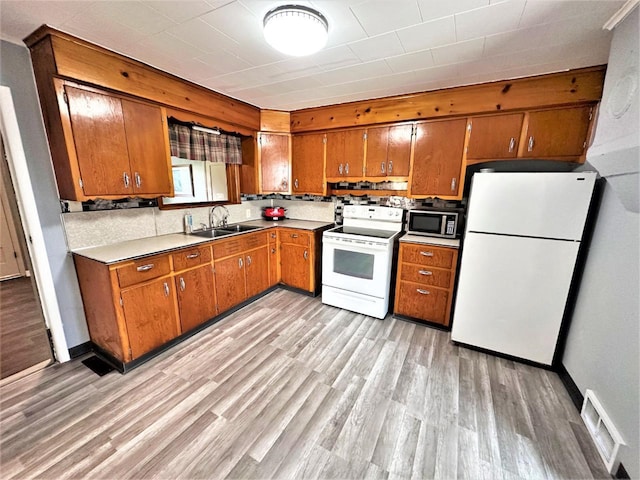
<point x="212" y="233"/>
<point x="239" y="228"/>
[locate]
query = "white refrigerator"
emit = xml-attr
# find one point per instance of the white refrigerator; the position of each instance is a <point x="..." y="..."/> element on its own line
<point x="521" y="243"/>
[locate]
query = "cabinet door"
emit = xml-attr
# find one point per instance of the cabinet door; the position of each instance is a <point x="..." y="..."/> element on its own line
<point x="345" y="154"/>
<point x="354" y="153"/>
<point x="230" y="282"/>
<point x="274" y="279"/>
<point x="101" y="144"/>
<point x="257" y="271"/>
<point x="437" y="161"/>
<point x="557" y="133"/>
<point x="150" y="315"/>
<point x="377" y="145"/>
<point x="295" y="266"/>
<point x="307" y="164"/>
<point x="399" y="150"/>
<point x="148" y="156"/>
<point x="495" y="136"/>
<point x="274" y="162"/>
<point x="196" y="296"/>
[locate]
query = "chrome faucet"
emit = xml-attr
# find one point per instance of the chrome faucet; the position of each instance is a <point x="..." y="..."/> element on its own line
<point x="223" y="221"/>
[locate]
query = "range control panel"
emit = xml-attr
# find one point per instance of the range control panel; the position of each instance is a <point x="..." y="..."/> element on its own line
<point x="369" y="212"/>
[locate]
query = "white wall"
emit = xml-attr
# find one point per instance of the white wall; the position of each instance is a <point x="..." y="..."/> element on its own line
<point x="17" y="74"/>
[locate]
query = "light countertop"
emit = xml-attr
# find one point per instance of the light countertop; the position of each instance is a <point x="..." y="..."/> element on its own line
<point x="439" y="242"/>
<point x="143" y="247"/>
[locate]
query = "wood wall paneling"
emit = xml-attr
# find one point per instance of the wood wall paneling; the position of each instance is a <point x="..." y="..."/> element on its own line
<point x="86" y="62"/>
<point x="576" y="86"/>
<point x="275" y="121"/>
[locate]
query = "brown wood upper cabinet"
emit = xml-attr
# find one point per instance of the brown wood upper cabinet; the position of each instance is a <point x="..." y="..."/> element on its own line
<point x="345" y="154"/>
<point x="388" y="151"/>
<point x="274" y="160"/>
<point x="559" y="132"/>
<point x="115" y="147"/>
<point x="494" y="136"/>
<point x="437" y="161"/>
<point x="307" y="164"/>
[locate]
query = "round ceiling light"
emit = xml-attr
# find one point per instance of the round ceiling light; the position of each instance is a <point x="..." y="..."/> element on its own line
<point x="295" y="30"/>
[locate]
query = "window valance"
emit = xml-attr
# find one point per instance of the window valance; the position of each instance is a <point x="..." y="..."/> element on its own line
<point x="186" y="142"/>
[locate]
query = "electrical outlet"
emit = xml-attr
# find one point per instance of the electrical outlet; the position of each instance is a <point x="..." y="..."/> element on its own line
<point x="247" y="213"/>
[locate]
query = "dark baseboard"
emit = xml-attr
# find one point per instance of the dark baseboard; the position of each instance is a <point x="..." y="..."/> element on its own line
<point x="79" y="350"/>
<point x="570" y="385"/>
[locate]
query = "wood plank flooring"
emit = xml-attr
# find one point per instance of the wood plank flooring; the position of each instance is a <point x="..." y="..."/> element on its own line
<point x="23" y="336"/>
<point x="293" y="389"/>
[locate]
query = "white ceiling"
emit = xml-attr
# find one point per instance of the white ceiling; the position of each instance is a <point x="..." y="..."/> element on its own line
<point x="376" y="48"/>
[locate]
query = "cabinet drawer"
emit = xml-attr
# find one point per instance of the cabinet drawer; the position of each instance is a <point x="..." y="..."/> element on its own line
<point x="143" y="270"/>
<point x="295" y="237"/>
<point x="427" y="255"/>
<point x="191" y="257"/>
<point x="425" y="275"/>
<point x="255" y="240"/>
<point x="226" y="248"/>
<point x="426" y="303"/>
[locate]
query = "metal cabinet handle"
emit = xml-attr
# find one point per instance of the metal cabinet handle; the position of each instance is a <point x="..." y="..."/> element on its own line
<point x="382" y="167"/>
<point x="138" y="179"/>
<point x="166" y="289"/>
<point x="423" y="292"/>
<point x="346" y="168"/>
<point x="453" y="184"/>
<point x="145" y="268"/>
<point x="285" y="183"/>
<point x="294" y="235"/>
<point x="240" y="263"/>
<point x="182" y="284"/>
<point x="248" y="260"/>
<point x="125" y="179"/>
<point x="295" y="183"/>
<point x="273" y="235"/>
<point x="426" y="254"/>
<point x="425" y="272"/>
<point x="273" y="250"/>
<point x="512" y="144"/>
<point x="306" y="255"/>
<point x="390" y="168"/>
<point x="340" y="169"/>
<point x="193" y="255"/>
<point x="530" y="145"/>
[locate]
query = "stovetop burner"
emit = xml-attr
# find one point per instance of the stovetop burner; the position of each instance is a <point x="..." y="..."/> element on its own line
<point x="365" y="232"/>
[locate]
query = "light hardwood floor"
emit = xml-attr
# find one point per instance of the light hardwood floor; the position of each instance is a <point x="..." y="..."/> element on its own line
<point x="290" y="388"/>
<point x="23" y="335"/>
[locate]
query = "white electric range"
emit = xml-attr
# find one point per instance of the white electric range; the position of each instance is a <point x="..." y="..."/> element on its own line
<point x="357" y="259"/>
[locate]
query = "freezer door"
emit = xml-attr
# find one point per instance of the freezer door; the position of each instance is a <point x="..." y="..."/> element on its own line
<point x="512" y="294"/>
<point x="547" y="205"/>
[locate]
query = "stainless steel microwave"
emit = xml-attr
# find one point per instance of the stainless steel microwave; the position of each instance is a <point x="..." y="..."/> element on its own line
<point x="433" y="223"/>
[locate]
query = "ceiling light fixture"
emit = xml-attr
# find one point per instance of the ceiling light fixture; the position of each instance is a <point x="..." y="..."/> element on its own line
<point x="295" y="30"/>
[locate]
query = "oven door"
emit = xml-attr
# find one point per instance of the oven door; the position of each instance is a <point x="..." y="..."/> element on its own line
<point x="355" y="267"/>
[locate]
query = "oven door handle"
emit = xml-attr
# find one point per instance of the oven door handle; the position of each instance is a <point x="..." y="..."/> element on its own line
<point x="354" y="247"/>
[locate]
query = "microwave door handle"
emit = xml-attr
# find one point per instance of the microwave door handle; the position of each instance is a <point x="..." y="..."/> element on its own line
<point x="443" y="225"/>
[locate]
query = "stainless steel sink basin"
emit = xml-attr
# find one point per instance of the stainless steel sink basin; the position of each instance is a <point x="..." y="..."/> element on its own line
<point x="213" y="233"/>
<point x="238" y="228"/>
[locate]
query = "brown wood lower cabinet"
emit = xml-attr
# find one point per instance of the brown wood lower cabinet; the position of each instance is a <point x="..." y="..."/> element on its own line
<point x="196" y="296"/>
<point x="136" y="306"/>
<point x="425" y="282"/>
<point x="230" y="286"/>
<point x="150" y="316"/>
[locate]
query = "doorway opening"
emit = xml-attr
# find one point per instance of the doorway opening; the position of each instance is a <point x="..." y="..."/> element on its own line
<point x="24" y="338"/>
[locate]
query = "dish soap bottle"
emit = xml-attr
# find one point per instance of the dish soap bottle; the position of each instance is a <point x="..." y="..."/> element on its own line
<point x="188" y="223"/>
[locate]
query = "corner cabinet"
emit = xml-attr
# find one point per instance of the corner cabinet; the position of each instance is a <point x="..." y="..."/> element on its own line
<point x="425" y="280"/>
<point x="437" y="169"/>
<point x="274" y="160"/>
<point x="111" y="146"/>
<point x="307" y="164"/>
